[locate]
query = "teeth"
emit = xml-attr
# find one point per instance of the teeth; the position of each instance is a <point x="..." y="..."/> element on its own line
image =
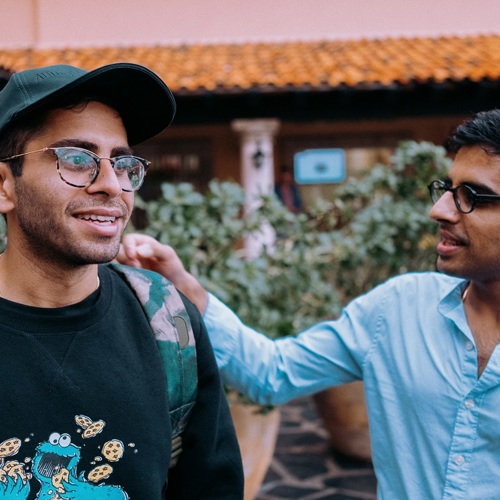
<point x="98" y="218"/>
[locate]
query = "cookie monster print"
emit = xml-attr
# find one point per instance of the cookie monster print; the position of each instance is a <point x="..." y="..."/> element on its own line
<point x="54" y="466"/>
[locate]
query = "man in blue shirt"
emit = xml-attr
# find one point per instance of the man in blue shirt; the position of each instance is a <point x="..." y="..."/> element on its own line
<point x="425" y="344"/>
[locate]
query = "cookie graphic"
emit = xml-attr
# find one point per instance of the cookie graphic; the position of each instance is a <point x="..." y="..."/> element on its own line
<point x="10" y="464"/>
<point x="113" y="450"/>
<point x="9" y="447"/>
<point x="57" y="479"/>
<point x="100" y="472"/>
<point x="93" y="429"/>
<point x="15" y="470"/>
<point x="83" y="421"/>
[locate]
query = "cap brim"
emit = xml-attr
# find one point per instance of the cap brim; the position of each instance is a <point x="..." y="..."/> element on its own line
<point x="144" y="102"/>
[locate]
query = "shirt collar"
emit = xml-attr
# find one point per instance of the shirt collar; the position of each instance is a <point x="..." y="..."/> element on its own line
<point x="452" y="307"/>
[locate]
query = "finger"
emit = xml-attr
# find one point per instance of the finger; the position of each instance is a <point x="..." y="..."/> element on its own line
<point x="145" y="251"/>
<point x="129" y="259"/>
<point x="131" y="242"/>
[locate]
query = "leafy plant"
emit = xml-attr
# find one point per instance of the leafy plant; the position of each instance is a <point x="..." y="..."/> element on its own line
<point x="279" y="292"/>
<point x="374" y="227"/>
<point x="384" y="226"/>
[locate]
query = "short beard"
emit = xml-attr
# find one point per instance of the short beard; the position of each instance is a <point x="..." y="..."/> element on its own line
<point x="50" y="244"/>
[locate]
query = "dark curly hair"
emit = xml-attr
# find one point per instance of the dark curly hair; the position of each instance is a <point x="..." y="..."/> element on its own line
<point x="482" y="129"/>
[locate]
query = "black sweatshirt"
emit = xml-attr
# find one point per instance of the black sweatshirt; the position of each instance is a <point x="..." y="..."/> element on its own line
<point x="84" y="411"/>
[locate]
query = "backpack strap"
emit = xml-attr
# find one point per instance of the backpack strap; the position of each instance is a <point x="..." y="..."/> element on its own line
<point x="174" y="336"/>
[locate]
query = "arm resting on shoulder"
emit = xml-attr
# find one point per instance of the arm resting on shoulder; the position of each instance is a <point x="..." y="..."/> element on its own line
<point x="268" y="371"/>
<point x="143" y="251"/>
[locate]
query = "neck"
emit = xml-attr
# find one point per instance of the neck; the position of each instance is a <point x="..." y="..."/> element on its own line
<point x="483" y="299"/>
<point x="34" y="284"/>
<point x="483" y="316"/>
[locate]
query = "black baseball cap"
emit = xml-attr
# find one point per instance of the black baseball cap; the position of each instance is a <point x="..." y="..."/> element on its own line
<point x="145" y="104"/>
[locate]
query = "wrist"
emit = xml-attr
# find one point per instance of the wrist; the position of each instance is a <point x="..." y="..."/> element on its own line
<point x="193" y="290"/>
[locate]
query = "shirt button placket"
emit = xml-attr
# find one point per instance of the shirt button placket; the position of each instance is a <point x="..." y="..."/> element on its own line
<point x="463" y="438"/>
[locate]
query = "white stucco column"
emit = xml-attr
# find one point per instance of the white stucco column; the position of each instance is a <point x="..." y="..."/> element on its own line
<point x="257" y="171"/>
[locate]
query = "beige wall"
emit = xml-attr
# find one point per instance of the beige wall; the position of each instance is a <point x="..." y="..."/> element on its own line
<point x="56" y="23"/>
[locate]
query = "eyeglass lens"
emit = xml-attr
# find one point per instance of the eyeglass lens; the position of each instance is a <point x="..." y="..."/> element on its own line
<point x="79" y="168"/>
<point x="463" y="196"/>
<point x="464" y="199"/>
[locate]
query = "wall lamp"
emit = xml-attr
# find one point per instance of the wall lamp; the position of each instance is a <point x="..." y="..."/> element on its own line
<point x="258" y="158"/>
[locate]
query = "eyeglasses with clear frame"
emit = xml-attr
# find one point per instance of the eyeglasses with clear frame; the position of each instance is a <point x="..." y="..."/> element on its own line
<point x="464" y="196"/>
<point x="79" y="167"/>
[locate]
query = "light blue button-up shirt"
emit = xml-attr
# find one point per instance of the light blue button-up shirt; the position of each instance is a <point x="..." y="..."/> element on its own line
<point x="435" y="427"/>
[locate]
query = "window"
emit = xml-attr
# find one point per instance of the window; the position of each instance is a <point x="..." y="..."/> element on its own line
<point x="181" y="160"/>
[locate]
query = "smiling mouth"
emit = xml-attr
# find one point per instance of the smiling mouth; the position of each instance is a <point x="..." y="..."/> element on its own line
<point x="449" y="239"/>
<point x="451" y="243"/>
<point x="99" y="219"/>
<point x="51" y="463"/>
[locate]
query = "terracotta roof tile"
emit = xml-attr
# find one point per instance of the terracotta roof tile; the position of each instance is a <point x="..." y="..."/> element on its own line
<point x="300" y="65"/>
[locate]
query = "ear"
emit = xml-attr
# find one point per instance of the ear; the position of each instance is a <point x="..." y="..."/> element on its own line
<point x="7" y="189"/>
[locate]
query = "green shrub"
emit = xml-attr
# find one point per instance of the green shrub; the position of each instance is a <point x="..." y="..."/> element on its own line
<point x="279" y="292"/>
<point x="375" y="227"/>
<point x="385" y="228"/>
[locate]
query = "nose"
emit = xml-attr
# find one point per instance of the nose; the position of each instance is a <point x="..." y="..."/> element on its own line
<point x="106" y="181"/>
<point x="445" y="209"/>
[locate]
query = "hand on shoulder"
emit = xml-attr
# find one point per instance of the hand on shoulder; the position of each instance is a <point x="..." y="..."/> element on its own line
<point x="145" y="252"/>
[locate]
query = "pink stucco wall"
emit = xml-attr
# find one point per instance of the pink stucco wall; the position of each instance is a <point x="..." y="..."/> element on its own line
<point x="57" y="23"/>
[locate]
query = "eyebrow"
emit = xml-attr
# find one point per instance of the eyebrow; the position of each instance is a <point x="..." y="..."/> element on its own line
<point x="480" y="188"/>
<point x="91" y="146"/>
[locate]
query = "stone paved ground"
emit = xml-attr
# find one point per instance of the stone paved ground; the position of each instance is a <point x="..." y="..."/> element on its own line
<point x="304" y="465"/>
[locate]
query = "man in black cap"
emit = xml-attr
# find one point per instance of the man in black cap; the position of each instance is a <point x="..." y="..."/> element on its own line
<point x="87" y="389"/>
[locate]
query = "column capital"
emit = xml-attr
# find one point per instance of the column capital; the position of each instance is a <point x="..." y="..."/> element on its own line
<point x="256" y="128"/>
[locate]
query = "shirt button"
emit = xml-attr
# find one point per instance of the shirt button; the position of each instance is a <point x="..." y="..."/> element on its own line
<point x="469" y="345"/>
<point x="459" y="459"/>
<point x="469" y="404"/>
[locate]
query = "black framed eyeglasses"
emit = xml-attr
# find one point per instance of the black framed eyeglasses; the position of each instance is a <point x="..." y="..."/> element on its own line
<point x="464" y="196"/>
<point x="79" y="167"/>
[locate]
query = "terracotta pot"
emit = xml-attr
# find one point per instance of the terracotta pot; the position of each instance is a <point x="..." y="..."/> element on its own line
<point x="343" y="411"/>
<point x="257" y="434"/>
